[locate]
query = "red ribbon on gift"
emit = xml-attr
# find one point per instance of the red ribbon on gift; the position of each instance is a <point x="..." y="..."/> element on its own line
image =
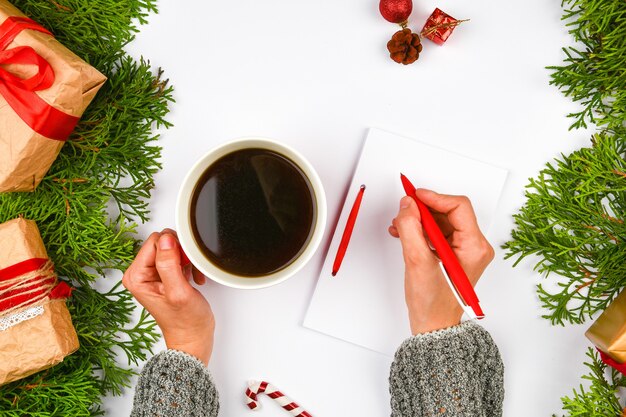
<point x="20" y="93"/>
<point x="621" y="367"/>
<point x="33" y="292"/>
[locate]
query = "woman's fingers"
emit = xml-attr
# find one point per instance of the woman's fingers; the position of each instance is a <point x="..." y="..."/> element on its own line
<point x="458" y="210"/>
<point x="147" y="254"/>
<point x="198" y="277"/>
<point x="408" y="226"/>
<point x="167" y="262"/>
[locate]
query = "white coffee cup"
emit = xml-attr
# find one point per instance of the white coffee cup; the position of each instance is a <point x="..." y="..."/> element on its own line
<point x="183" y="215"/>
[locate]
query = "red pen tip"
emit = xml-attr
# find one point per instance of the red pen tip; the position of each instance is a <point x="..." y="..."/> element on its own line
<point x="334" y="273"/>
<point x="408" y="187"/>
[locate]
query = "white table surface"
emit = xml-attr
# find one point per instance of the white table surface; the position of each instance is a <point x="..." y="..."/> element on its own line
<point x="316" y="75"/>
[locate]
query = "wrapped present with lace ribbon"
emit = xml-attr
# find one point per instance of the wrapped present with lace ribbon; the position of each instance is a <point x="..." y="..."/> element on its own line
<point x="36" y="330"/>
<point x="44" y="89"/>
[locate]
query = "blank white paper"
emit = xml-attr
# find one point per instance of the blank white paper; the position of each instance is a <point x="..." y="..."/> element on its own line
<point x="364" y="304"/>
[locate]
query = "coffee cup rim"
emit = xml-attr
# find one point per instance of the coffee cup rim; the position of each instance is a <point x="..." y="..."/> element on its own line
<point x="183" y="218"/>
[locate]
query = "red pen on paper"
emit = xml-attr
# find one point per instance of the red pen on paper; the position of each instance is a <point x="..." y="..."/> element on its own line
<point x="454" y="273"/>
<point x="347" y="232"/>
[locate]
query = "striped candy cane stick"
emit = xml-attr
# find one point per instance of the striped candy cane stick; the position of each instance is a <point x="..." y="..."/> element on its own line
<point x="255" y="388"/>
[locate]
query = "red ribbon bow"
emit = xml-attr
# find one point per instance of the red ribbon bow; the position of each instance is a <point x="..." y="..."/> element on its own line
<point x="20" y="93"/>
<point x="621" y="367"/>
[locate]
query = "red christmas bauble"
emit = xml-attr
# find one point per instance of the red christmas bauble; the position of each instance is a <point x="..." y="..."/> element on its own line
<point x="396" y="11"/>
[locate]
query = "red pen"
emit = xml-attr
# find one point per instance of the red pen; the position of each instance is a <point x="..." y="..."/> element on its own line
<point x="347" y="232"/>
<point x="455" y="275"/>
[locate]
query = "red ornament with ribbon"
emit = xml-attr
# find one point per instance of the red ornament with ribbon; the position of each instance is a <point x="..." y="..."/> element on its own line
<point x="32" y="303"/>
<point x="46" y="88"/>
<point x="440" y="26"/>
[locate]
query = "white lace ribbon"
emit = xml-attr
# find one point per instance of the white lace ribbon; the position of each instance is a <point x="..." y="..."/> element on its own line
<point x="6" y="322"/>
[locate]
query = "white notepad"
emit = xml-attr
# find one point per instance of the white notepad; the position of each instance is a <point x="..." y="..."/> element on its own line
<point x="364" y="304"/>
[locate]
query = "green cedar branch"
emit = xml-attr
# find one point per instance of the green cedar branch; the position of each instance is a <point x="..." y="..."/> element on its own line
<point x="87" y="205"/>
<point x="593" y="73"/>
<point x="573" y="223"/>
<point x="95" y="30"/>
<point x="602" y="396"/>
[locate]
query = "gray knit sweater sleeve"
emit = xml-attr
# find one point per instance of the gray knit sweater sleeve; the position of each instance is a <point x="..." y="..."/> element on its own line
<point x="175" y="384"/>
<point x="454" y="372"/>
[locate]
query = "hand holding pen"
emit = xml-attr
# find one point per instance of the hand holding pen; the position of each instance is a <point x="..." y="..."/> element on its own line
<point x="430" y="301"/>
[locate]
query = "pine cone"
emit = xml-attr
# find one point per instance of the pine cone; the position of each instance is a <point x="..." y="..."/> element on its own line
<point x="404" y="46"/>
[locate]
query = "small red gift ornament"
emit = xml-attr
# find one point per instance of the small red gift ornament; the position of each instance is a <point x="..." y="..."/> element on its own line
<point x="440" y="26"/>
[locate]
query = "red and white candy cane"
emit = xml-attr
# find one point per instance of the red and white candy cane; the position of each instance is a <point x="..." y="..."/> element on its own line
<point x="256" y="387"/>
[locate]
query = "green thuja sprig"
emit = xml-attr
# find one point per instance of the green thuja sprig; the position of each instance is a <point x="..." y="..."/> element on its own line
<point x="601" y="398"/>
<point x="593" y="73"/>
<point x="573" y="221"/>
<point x="69" y="389"/>
<point x="87" y="205"/>
<point x="95" y="30"/>
<point x="106" y="331"/>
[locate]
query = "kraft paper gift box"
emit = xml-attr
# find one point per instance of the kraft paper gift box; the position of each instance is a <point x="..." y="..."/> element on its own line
<point x="608" y="332"/>
<point x="36" y="330"/>
<point x="44" y="89"/>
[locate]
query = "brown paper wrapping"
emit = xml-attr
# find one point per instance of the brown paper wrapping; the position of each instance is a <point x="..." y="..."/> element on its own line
<point x="608" y="332"/>
<point x="41" y="342"/>
<point x="26" y="156"/>
<point x="37" y="344"/>
<point x="19" y="241"/>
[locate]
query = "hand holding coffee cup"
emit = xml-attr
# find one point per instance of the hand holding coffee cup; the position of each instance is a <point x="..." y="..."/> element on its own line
<point x="159" y="281"/>
<point x="251" y="213"/>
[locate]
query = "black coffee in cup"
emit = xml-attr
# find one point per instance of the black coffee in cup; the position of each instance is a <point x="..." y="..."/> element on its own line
<point x="252" y="212"/>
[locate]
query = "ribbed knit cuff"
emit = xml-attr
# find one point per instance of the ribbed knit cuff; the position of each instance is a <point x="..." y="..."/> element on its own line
<point x="450" y="372"/>
<point x="442" y="333"/>
<point x="173" y="384"/>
